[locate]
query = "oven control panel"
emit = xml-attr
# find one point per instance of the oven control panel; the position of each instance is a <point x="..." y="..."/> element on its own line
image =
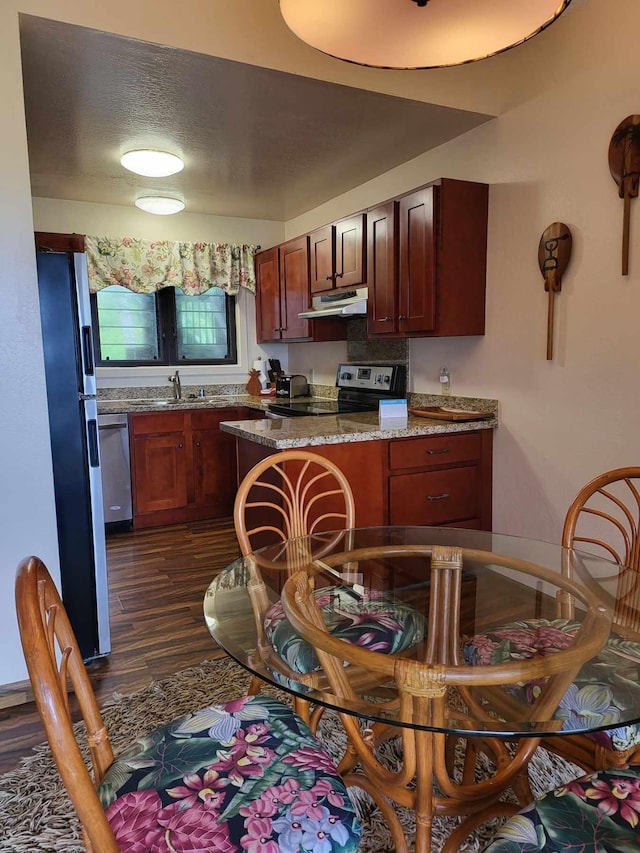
<point x="389" y="378"/>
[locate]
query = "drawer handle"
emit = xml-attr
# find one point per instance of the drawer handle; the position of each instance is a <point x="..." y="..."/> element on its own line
<point x="438" y="497"/>
<point x="437" y="452"/>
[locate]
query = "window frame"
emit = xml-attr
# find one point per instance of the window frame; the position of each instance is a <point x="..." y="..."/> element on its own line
<point x="166" y="332"/>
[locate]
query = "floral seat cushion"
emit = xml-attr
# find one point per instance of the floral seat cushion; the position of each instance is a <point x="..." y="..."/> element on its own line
<point x="247" y="775"/>
<point x="591" y="695"/>
<point x="371" y="619"/>
<point x="598" y="813"/>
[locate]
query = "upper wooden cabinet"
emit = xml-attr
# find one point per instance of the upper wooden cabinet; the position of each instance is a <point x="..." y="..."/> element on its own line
<point x="282" y="284"/>
<point x="282" y="292"/>
<point x="338" y="254"/>
<point x="427" y="255"/>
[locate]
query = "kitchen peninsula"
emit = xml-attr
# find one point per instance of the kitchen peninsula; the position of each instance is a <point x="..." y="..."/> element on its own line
<point x="427" y="472"/>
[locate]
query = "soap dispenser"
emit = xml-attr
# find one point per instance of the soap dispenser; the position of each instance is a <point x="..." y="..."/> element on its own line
<point x="445" y="382"/>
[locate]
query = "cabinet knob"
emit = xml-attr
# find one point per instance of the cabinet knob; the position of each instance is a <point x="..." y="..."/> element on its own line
<point x="438" y="497"/>
<point x="339" y="274"/>
<point x="197" y="444"/>
<point x="387" y="319"/>
<point x="328" y="277"/>
<point x="180" y="445"/>
<point x="402" y="316"/>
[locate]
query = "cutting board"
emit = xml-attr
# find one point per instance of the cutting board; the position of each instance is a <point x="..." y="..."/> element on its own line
<point x="443" y="413"/>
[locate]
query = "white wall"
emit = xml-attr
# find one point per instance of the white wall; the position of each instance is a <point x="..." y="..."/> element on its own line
<point x="27" y="513"/>
<point x="110" y="220"/>
<point x="564" y="421"/>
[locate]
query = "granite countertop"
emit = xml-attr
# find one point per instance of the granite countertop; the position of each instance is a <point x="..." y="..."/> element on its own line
<point x="222" y="401"/>
<point x="287" y="433"/>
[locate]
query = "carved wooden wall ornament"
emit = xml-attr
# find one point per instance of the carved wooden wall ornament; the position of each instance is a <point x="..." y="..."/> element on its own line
<point x="554" y="252"/>
<point x="624" y="164"/>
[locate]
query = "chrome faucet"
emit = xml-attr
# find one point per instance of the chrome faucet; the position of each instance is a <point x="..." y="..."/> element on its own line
<point x="177" y="388"/>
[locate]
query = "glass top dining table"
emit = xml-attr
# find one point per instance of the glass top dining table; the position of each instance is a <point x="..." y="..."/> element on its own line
<point x="509" y="600"/>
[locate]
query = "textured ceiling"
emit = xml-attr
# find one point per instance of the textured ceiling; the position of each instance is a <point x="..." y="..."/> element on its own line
<point x="257" y="143"/>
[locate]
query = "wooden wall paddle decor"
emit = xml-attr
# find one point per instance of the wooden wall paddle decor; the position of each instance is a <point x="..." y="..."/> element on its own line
<point x="624" y="164"/>
<point x="554" y="252"/>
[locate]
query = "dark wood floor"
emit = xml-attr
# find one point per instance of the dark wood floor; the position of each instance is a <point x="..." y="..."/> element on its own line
<point x="157" y="578"/>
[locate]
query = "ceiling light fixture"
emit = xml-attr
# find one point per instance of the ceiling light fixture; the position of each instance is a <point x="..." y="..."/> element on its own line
<point x="417" y="33"/>
<point x="152" y="164"/>
<point x="160" y="205"/>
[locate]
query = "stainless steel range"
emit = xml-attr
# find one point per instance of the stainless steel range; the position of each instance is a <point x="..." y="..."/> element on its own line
<point x="361" y="387"/>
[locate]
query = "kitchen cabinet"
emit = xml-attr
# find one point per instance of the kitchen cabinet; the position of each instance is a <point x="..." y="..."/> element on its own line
<point x="443" y="480"/>
<point x="183" y="466"/>
<point x="440" y="480"/>
<point x="282" y="292"/>
<point x="427" y="254"/>
<point x="338" y="255"/>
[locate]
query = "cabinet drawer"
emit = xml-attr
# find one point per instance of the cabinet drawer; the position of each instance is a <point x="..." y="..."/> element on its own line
<point x="212" y="418"/>
<point x="435" y="450"/>
<point x="435" y="497"/>
<point x="149" y="423"/>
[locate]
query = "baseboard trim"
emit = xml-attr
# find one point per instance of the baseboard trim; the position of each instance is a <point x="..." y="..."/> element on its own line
<point x="18" y="693"/>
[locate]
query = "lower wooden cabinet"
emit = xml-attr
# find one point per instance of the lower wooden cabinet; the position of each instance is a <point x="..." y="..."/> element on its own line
<point x="441" y="480"/>
<point x="183" y="467"/>
<point x="436" y="480"/>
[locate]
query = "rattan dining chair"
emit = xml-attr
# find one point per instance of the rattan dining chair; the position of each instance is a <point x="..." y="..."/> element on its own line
<point x="604" y="519"/>
<point x="424" y="693"/>
<point x="282" y="499"/>
<point x="597" y="812"/>
<point x="289" y="495"/>
<point x="198" y="782"/>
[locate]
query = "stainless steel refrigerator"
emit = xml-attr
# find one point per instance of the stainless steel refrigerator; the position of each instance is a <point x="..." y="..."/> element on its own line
<point x="65" y="313"/>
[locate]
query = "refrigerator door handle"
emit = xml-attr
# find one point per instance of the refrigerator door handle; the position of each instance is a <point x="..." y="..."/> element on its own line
<point x="87" y="352"/>
<point x="92" y="435"/>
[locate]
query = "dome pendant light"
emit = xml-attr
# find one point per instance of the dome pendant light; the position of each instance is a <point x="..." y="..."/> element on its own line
<point x="152" y="164"/>
<point x="417" y="33"/>
<point x="160" y="205"/>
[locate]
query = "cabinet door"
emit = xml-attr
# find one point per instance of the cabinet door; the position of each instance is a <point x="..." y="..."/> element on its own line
<point x="294" y="288"/>
<point x="160" y="466"/>
<point x="322" y="259"/>
<point x="382" y="268"/>
<point x="417" y="282"/>
<point x="268" y="318"/>
<point x="214" y="470"/>
<point x="350" y="263"/>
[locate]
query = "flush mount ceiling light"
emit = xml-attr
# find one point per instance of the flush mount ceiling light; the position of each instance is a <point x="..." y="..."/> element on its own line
<point x="161" y="205"/>
<point x="152" y="164"/>
<point x="417" y="33"/>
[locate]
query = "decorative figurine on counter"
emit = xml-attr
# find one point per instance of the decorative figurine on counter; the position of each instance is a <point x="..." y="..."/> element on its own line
<point x="253" y="385"/>
<point x="554" y="252"/>
<point x="624" y="164"/>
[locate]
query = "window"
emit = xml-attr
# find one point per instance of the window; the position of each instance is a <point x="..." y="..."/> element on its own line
<point x="165" y="327"/>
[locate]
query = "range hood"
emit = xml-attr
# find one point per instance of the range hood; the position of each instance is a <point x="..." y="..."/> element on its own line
<point x="349" y="303"/>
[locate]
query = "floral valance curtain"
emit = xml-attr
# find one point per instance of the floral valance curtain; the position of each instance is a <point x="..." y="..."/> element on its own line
<point x="144" y="266"/>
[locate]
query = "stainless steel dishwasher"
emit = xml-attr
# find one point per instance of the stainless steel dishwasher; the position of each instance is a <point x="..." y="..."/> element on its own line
<point x="113" y="432"/>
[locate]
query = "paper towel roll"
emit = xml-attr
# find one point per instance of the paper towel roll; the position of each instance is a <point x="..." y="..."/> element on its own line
<point x="259" y="364"/>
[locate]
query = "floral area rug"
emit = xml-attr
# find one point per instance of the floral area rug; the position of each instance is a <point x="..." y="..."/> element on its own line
<point x="36" y="814"/>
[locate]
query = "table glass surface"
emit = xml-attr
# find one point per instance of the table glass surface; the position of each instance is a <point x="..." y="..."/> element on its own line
<point x="504" y="580"/>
